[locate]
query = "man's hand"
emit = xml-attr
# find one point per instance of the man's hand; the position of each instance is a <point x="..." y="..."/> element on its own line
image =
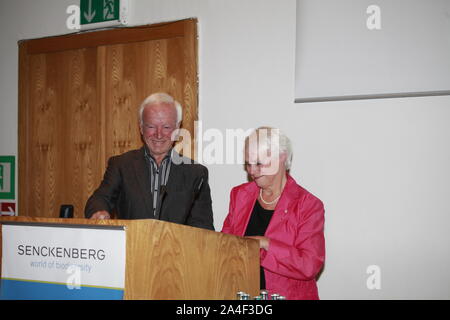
<point x="101" y="215"/>
<point x="263" y="242"/>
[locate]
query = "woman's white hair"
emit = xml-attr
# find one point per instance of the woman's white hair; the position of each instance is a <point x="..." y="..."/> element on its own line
<point x="269" y="138"/>
<point x="161" y="97"/>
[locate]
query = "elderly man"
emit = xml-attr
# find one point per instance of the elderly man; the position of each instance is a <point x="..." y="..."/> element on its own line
<point x="155" y="182"/>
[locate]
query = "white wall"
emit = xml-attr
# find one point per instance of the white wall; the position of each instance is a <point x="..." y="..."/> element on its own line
<point x="380" y="166"/>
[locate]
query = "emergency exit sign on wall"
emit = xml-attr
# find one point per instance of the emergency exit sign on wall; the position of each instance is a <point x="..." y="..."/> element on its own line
<point x="7" y="177"/>
<point x="98" y="11"/>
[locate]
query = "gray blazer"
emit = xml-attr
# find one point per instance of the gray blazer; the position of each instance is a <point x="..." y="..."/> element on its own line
<point x="126" y="189"/>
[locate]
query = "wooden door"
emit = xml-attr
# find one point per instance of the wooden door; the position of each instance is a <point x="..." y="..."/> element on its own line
<point x="62" y="134"/>
<point x="78" y="101"/>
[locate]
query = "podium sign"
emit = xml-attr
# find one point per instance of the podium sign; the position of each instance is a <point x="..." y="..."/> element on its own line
<point x="43" y="261"/>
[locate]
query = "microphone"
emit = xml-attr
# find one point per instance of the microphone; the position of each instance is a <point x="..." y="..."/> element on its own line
<point x="198" y="187"/>
<point x="66" y="211"/>
<point x="162" y="195"/>
<point x="200" y="184"/>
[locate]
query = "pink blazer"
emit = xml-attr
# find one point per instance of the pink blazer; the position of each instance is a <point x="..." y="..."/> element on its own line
<point x="297" y="246"/>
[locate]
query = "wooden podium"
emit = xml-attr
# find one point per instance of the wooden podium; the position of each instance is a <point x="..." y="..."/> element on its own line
<point x="167" y="261"/>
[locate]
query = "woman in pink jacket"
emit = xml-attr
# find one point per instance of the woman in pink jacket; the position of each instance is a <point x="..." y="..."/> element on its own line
<point x="287" y="220"/>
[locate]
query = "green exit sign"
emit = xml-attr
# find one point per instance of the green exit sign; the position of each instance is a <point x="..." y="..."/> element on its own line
<point x="96" y="11"/>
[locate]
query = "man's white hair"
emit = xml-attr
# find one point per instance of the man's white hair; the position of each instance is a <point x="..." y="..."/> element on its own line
<point x="161" y="97"/>
<point x="269" y="138"/>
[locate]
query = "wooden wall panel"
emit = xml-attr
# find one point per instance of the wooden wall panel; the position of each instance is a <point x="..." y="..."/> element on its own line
<point x="134" y="71"/>
<point x="190" y="87"/>
<point x="65" y="131"/>
<point x="45" y="145"/>
<point x="125" y="89"/>
<point x="82" y="130"/>
<point x="78" y="101"/>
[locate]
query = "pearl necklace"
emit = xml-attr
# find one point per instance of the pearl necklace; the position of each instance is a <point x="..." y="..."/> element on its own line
<point x="268" y="202"/>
